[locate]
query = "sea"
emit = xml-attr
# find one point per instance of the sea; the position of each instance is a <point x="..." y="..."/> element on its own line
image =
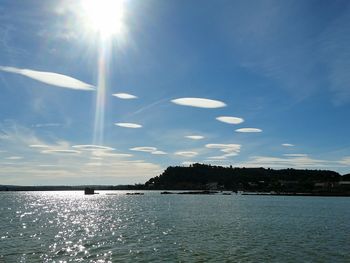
<point x="111" y="226"/>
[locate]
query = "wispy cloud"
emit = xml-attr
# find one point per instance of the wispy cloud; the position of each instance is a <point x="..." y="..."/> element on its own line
<point x="144" y="149"/>
<point x="159" y="153"/>
<point x="229" y="150"/>
<point x="345" y="161"/>
<point x="60" y="151"/>
<point x="103" y="153"/>
<point x="194" y="137"/>
<point x="187" y="154"/>
<point x="295" y="162"/>
<point x="187" y="163"/>
<point x="41" y="125"/>
<point x="50" y="78"/>
<point x="39" y="146"/>
<point x="128" y="125"/>
<point x="249" y="130"/>
<point x="288" y="145"/>
<point x="230" y="120"/>
<point x="14" y="158"/>
<point x="125" y="96"/>
<point x="92" y="147"/>
<point x="295" y="155"/>
<point x="199" y="103"/>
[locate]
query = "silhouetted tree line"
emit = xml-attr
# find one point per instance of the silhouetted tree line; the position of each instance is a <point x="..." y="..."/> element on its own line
<point x="202" y="176"/>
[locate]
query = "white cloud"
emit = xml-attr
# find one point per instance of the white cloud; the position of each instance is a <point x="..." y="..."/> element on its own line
<point x="288" y="145"/>
<point x="124" y="96"/>
<point x="50" y="78"/>
<point x="199" y="103"/>
<point x="159" y="153"/>
<point x="128" y="125"/>
<point x="345" y="161"/>
<point x="295" y="155"/>
<point x="230" y="120"/>
<point x="187" y="154"/>
<point x="14" y="158"/>
<point x="39" y="146"/>
<point x="195" y="137"/>
<point x="248" y="130"/>
<point x="94" y="164"/>
<point x="295" y="162"/>
<point x="144" y="149"/>
<point x="229" y="150"/>
<point x="41" y="125"/>
<point x="104" y="153"/>
<point x="224" y="147"/>
<point x="188" y="163"/>
<point x="61" y="151"/>
<point x="92" y="147"/>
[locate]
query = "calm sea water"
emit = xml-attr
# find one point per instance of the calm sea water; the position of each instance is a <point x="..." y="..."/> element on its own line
<point x="71" y="227"/>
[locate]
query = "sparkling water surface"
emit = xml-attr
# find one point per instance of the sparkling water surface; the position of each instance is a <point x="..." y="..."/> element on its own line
<point x="71" y="227"/>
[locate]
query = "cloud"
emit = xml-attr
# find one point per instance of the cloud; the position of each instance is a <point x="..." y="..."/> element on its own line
<point x="295" y="162"/>
<point x="92" y="147"/>
<point x="128" y="125"/>
<point x="195" y="137"/>
<point x="295" y="155"/>
<point x="229" y="150"/>
<point x="186" y="154"/>
<point x="159" y="153"/>
<point x="248" y="130"/>
<point x="14" y="158"/>
<point x="224" y="147"/>
<point x="199" y="103"/>
<point x="39" y="146"/>
<point x="124" y="96"/>
<point x="144" y="149"/>
<point x="103" y="153"/>
<point x="188" y="163"/>
<point x="345" y="161"/>
<point x="60" y="151"/>
<point x="50" y="78"/>
<point x="230" y="120"/>
<point x="40" y="125"/>
<point x="288" y="145"/>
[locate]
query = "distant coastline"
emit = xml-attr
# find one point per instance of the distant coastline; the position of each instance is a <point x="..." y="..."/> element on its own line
<point x="248" y="181"/>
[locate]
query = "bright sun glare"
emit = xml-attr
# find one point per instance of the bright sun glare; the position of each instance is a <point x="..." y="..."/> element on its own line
<point x="103" y="16"/>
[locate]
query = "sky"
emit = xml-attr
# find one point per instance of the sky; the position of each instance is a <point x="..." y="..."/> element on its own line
<point x="114" y="94"/>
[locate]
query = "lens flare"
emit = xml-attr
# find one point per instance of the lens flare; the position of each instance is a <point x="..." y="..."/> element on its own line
<point x="103" y="16"/>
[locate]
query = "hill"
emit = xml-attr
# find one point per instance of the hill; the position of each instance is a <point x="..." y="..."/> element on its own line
<point x="201" y="176"/>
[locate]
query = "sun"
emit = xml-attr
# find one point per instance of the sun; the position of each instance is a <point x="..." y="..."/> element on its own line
<point x="103" y="16"/>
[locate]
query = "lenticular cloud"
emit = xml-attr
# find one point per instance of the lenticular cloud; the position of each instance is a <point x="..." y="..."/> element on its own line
<point x="199" y="103"/>
<point x="230" y="120"/>
<point x="249" y="130"/>
<point x="124" y="96"/>
<point x="50" y="78"/>
<point x="128" y="125"/>
<point x="195" y="137"/>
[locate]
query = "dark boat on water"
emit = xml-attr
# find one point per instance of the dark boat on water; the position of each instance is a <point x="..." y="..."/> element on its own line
<point x="89" y="191"/>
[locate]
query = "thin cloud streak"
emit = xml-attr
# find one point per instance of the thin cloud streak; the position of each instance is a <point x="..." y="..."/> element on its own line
<point x="125" y="96"/>
<point x="186" y="154"/>
<point x="144" y="149"/>
<point x="194" y="137"/>
<point x="128" y="125"/>
<point x="288" y="145"/>
<point x="50" y="78"/>
<point x="249" y="130"/>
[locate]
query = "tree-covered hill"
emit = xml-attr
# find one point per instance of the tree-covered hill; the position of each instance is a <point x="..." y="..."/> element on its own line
<point x="201" y="176"/>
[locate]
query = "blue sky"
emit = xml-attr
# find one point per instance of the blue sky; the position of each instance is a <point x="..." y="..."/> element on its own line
<point x="277" y="70"/>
